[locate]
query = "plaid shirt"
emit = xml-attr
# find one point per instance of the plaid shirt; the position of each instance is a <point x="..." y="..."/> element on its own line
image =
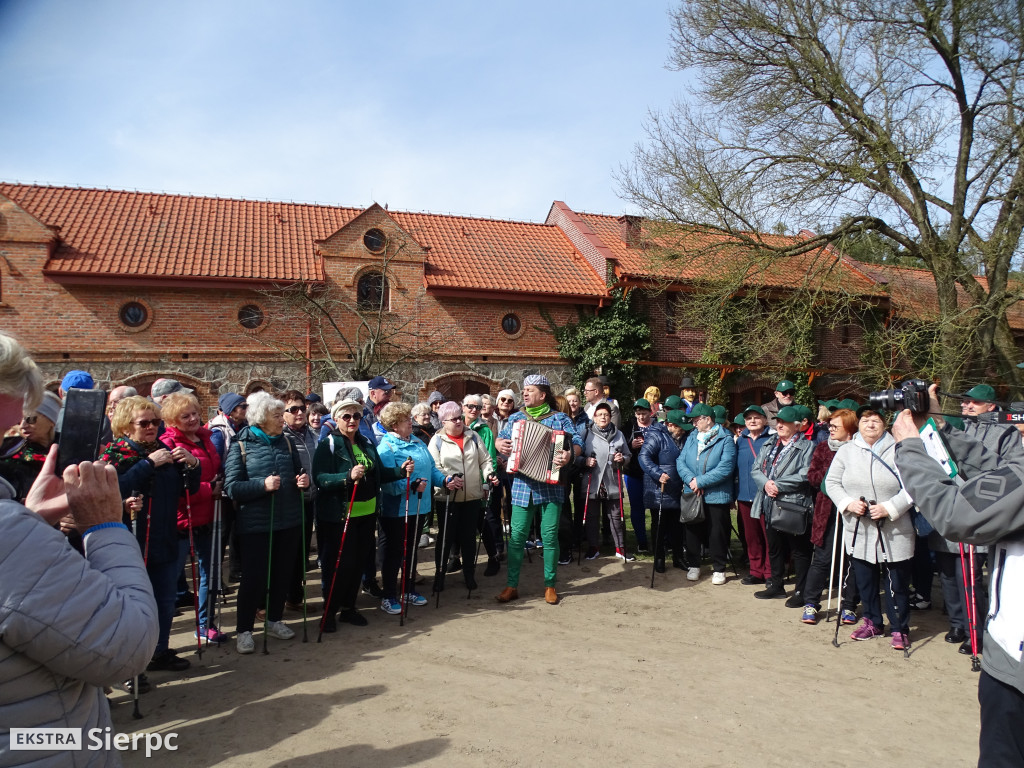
<point x="524" y="490"/>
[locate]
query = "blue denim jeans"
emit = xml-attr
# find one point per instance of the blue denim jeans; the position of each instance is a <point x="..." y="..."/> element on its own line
<point x="203" y="542"/>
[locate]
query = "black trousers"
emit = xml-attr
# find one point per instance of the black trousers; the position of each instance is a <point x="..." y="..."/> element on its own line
<point x="1002" y="712"/>
<point x="358" y="541"/>
<point x="283" y="550"/>
<point x="817" y="575"/>
<point x="458" y="532"/>
<point x="781" y="546"/>
<point x="295" y="590"/>
<point x="894" y="581"/>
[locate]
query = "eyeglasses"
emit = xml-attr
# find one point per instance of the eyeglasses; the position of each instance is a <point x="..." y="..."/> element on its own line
<point x="29" y="419"/>
<point x="454" y="421"/>
<point x="349" y="417"/>
<point x="833" y="427"/>
<point x="470" y="407"/>
<point x="589" y="389"/>
<point x="147" y="423"/>
<point x="296" y="409"/>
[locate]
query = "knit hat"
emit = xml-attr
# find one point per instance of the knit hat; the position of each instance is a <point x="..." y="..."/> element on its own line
<point x="536" y="380"/>
<point x="49" y="407"/>
<point x="229" y="401"/>
<point x="504" y="393"/>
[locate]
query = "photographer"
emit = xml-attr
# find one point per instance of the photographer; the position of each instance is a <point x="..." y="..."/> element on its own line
<point x="987" y="509"/>
<point x="69" y="625"/>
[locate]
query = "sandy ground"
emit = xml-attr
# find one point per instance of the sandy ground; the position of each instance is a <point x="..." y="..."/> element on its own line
<point x="686" y="673"/>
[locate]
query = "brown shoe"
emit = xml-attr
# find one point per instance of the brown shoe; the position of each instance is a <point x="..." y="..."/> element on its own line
<point x="508" y="594"/>
<point x="550" y="596"/>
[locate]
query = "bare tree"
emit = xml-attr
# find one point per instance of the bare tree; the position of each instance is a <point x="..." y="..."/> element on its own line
<point x="898" y="117"/>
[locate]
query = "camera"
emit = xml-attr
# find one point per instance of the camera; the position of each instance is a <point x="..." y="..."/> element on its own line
<point x="912" y="394"/>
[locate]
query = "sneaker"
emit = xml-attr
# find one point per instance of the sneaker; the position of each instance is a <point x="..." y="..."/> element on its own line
<point x="562" y="560"/>
<point x="718" y="578"/>
<point x="592" y="553"/>
<point x="167" y="661"/>
<point x="810" y="615"/>
<point x="279" y="630"/>
<point x="392" y="607"/>
<point x="621" y="554"/>
<point x="212" y="635"/>
<point x="866" y="630"/>
<point x="918" y="603"/>
<point x="373" y="589"/>
<point x="847" y="617"/>
<point x="415" y="598"/>
<point x="245" y="643"/>
<point x="425" y="541"/>
<point x="692" y="574"/>
<point x="530" y="544"/>
<point x="642" y="549"/>
<point x="539" y="543"/>
<point x="773" y="592"/>
<point x="750" y="580"/>
<point x="899" y="641"/>
<point x="128" y="686"/>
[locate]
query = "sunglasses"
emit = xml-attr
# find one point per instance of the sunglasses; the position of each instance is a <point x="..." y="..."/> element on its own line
<point x="29" y="419"/>
<point x="349" y="417"/>
<point x="505" y="400"/>
<point x="296" y="409"/>
<point x="147" y="423"/>
<point x="471" y="407"/>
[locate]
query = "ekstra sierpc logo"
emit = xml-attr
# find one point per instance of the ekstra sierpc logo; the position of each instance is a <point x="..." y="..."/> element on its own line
<point x="95" y="739"/>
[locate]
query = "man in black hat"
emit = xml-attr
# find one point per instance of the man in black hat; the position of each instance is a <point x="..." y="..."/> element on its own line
<point x="688" y="393"/>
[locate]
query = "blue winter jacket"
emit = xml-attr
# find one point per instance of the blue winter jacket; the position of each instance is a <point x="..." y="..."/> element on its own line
<point x="747" y="449"/>
<point x="658" y="456"/>
<point x="713" y="469"/>
<point x="393" y="452"/>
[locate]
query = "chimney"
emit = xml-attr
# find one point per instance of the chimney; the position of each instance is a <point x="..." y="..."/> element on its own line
<point x="629" y="229"/>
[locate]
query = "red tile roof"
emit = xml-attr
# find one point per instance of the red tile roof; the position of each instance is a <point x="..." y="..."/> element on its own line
<point x="140" y="234"/>
<point x="712" y="256"/>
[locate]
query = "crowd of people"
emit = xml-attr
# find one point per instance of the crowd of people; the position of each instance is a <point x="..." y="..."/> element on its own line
<point x="816" y="495"/>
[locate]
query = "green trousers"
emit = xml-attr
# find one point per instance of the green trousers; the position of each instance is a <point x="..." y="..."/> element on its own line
<point x="521" y="519"/>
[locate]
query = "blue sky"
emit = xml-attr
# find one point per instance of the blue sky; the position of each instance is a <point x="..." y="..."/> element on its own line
<point x="481" y="108"/>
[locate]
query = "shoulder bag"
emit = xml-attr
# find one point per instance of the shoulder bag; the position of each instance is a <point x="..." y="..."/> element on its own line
<point x="691" y="508"/>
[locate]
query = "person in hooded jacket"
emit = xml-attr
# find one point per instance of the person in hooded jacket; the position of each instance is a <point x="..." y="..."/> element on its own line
<point x="662" y="486"/>
<point x="706" y="466"/>
<point x="748" y="444"/>
<point x="607" y="452"/>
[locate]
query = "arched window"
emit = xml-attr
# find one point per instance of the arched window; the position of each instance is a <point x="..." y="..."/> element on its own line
<point x="372" y="292"/>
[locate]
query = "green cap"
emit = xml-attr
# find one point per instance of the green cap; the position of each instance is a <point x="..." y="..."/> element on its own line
<point x="678" y="418"/>
<point x="789" y="414"/>
<point x="785" y="386"/>
<point x="687" y="427"/>
<point x="805" y="412"/>
<point x="862" y="408"/>
<point x="848" y="403"/>
<point x="673" y="403"/>
<point x="982" y="393"/>
<point x="754" y="409"/>
<point x="721" y="415"/>
<point x="830" y="404"/>
<point x="739" y="421"/>
<point x="702" y="409"/>
<point x="641" y="403"/>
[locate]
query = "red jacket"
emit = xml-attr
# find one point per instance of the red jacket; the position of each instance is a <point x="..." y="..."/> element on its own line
<point x="201" y="502"/>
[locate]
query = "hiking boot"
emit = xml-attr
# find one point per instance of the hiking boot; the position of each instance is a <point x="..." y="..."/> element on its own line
<point x="899" y="641"/>
<point x="621" y="554"/>
<point x="244" y="643"/>
<point x="847" y="617"/>
<point x="168" y="661"/>
<point x="692" y="574"/>
<point x="391" y="607"/>
<point x="508" y="594"/>
<point x="550" y="596"/>
<point x="866" y="630"/>
<point x="353" y="617"/>
<point x="718" y="578"/>
<point x="425" y="541"/>
<point x="493" y="566"/>
<point x="810" y="615"/>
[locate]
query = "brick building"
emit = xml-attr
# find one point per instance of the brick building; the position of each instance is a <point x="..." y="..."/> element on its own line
<point x="136" y="286"/>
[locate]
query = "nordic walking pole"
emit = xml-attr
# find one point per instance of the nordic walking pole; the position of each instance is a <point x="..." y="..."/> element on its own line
<point x="622" y="510"/>
<point x="892" y="591"/>
<point x="842" y="588"/>
<point x="975" y="664"/>
<point x="443" y="561"/>
<point x="337" y="562"/>
<point x="657" y="533"/>
<point x="302" y="565"/>
<point x="135" y="680"/>
<point x="213" y="588"/>
<point x="405" y="550"/>
<point x="192" y="558"/>
<point x="968" y="606"/>
<point x="416" y="536"/>
<point x="270" y="551"/>
<point x="856" y="528"/>
<point x="832" y="568"/>
<point x="586" y="503"/>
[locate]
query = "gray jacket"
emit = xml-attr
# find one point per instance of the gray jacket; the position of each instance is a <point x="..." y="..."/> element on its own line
<point x="987" y="509"/>
<point x="69" y="626"/>
<point x="869" y="471"/>
<point x="790" y="475"/>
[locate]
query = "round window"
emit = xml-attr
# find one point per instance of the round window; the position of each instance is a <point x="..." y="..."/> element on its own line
<point x="375" y="241"/>
<point x="250" y="316"/>
<point x="511" y="324"/>
<point x="133" y="314"/>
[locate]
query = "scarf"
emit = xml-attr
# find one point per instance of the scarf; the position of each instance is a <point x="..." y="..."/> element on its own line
<point x="834" y="445"/>
<point x="605" y="433"/>
<point x="704" y="437"/>
<point x="264" y="436"/>
<point x="537" y="411"/>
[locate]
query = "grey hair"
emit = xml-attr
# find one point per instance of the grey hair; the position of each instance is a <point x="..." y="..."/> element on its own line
<point x="19" y="375"/>
<point x="261" y="405"/>
<point x="472" y="399"/>
<point x="487" y="399"/>
<point x="419" y="409"/>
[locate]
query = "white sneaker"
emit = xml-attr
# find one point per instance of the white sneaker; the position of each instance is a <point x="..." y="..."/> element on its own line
<point x="692" y="574"/>
<point x="718" y="578"/>
<point x="279" y="630"/>
<point x="425" y="541"/>
<point x="245" y="643"/>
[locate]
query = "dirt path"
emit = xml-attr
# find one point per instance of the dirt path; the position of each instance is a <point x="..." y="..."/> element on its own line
<point x="687" y="673"/>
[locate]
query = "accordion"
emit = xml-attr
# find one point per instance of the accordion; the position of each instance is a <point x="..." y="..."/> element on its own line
<point x="533" y="451"/>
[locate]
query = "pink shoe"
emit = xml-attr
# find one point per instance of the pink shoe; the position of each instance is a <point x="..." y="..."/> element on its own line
<point x="866" y="630"/>
<point x="214" y="635"/>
